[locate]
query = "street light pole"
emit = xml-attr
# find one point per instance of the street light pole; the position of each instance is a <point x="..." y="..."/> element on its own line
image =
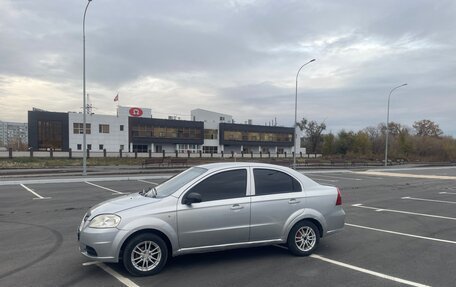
<point x="387" y="122"/>
<point x="84" y="107"/>
<point x="296" y="114"/>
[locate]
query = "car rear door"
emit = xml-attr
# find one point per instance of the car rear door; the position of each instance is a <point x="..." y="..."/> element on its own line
<point x="277" y="195"/>
<point x="222" y="217"/>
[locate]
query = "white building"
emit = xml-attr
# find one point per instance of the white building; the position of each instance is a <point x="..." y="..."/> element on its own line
<point x="108" y="132"/>
<point x="13" y="132"/>
<point x="211" y="121"/>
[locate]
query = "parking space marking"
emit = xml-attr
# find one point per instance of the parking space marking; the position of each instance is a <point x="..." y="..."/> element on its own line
<point x="339" y="177"/>
<point x="90" y="263"/>
<point x="363" y="270"/>
<point x="429" y="200"/>
<point x="402" y="211"/>
<point x="82" y="179"/>
<point x="99" y="186"/>
<point x="34" y="193"/>
<point x="392" y="174"/>
<point x="124" y="280"/>
<point x="330" y="180"/>
<point x="445" y="192"/>
<point x="150" y="182"/>
<point x="400" y="233"/>
<point x="370" y="272"/>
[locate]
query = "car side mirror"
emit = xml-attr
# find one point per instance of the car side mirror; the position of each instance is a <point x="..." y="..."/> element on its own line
<point x="192" y="197"/>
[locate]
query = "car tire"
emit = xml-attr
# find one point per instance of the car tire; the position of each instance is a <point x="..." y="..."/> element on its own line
<point x="303" y="238"/>
<point x="145" y="254"/>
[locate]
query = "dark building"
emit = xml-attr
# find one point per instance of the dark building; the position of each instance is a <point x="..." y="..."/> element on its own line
<point x="150" y="133"/>
<point x="47" y="130"/>
<point x="255" y="135"/>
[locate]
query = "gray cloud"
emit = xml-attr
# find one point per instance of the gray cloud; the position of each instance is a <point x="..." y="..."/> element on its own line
<point x="237" y="57"/>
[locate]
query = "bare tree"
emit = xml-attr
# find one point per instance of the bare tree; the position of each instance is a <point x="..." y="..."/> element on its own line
<point x="427" y="128"/>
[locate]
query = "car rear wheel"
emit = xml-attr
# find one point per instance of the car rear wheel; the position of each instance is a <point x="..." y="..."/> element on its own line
<point x="145" y="254"/>
<point x="303" y="238"/>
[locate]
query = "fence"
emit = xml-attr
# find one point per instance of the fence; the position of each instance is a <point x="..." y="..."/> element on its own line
<point x="121" y="154"/>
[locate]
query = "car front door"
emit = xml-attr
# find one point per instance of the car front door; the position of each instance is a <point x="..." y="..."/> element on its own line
<point x="277" y="196"/>
<point x="223" y="215"/>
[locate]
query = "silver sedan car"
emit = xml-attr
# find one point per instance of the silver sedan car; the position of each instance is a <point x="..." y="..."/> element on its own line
<point x="212" y="207"/>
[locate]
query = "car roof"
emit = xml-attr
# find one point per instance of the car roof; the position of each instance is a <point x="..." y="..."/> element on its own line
<point x="222" y="165"/>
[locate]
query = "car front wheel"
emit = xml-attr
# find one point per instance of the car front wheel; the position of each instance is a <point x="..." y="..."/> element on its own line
<point x="145" y="254"/>
<point x="303" y="238"/>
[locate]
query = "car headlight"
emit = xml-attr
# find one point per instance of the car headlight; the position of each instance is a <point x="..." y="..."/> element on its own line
<point x="105" y="221"/>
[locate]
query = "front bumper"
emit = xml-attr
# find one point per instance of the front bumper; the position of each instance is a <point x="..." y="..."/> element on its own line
<point x="101" y="244"/>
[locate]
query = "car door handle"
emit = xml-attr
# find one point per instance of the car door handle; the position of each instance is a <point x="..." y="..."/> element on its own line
<point x="236" y="207"/>
<point x="293" y="201"/>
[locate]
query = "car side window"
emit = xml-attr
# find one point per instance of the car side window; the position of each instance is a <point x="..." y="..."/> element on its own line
<point x="268" y="181"/>
<point x="223" y="185"/>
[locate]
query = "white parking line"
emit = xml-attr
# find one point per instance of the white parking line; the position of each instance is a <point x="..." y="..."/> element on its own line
<point x="445" y="192"/>
<point x="83" y="179"/>
<point x="150" y="182"/>
<point x="403" y="212"/>
<point x="90" y="263"/>
<point x="430" y="200"/>
<point x="34" y="193"/>
<point x="400" y="233"/>
<point x="370" y="272"/>
<point x="99" y="186"/>
<point x="330" y="180"/>
<point x="410" y="175"/>
<point x="339" y="177"/>
<point x="363" y="270"/>
<point x="124" y="280"/>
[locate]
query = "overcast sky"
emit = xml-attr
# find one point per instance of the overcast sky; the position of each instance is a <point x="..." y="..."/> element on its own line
<point x="234" y="57"/>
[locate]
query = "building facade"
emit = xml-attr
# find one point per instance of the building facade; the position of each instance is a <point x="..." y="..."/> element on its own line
<point x="13" y="134"/>
<point x="102" y="132"/>
<point x="47" y="130"/>
<point x="134" y="129"/>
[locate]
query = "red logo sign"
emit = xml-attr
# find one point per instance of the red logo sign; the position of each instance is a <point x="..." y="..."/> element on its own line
<point x="136" y="112"/>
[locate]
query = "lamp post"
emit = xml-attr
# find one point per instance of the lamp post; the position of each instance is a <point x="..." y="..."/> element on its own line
<point x="296" y="114"/>
<point x="84" y="107"/>
<point x="387" y="122"/>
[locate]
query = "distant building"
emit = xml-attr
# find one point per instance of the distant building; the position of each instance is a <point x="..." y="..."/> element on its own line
<point x="13" y="134"/>
<point x="133" y="129"/>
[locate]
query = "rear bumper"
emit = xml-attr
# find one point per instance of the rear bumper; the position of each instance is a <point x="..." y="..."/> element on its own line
<point x="335" y="221"/>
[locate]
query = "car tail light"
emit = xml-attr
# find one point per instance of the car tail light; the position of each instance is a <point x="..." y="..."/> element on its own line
<point x="339" y="197"/>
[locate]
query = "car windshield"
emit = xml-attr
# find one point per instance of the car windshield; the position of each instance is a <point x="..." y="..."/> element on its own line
<point x="170" y="186"/>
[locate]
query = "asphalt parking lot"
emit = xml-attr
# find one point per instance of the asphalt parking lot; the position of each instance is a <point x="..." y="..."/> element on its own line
<point x="400" y="231"/>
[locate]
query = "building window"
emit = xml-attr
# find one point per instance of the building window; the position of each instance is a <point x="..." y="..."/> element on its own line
<point x="210" y="134"/>
<point x="222" y="118"/>
<point x="50" y="135"/>
<point x="89" y="147"/>
<point x="79" y="146"/>
<point x="78" y="128"/>
<point x="210" y="149"/>
<point x="165" y="132"/>
<point x="121" y="128"/>
<point x="121" y="147"/>
<point x="257" y="136"/>
<point x="103" y="129"/>
<point x="183" y="148"/>
<point x="100" y="147"/>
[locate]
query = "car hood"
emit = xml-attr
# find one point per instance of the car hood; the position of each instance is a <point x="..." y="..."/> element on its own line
<point x="122" y="203"/>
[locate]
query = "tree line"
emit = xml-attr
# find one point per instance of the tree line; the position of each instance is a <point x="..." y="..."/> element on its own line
<point x="424" y="141"/>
